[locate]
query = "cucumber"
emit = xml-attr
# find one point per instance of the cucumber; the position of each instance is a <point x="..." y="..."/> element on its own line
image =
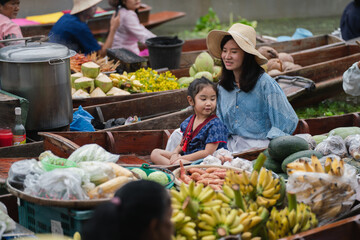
<point x="319" y="138"/>
<point x="272" y="164"/>
<point x="281" y="147"/>
<point x="297" y="155"/>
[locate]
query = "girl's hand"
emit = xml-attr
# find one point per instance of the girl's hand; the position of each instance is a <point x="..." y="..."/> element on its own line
<point x="174" y="157"/>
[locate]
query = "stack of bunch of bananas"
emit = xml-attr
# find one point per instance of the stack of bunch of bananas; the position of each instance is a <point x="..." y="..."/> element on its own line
<point x="290" y="220"/>
<point x="261" y="187"/>
<point x="126" y="82"/>
<point x="325" y="188"/>
<point x="184" y="226"/>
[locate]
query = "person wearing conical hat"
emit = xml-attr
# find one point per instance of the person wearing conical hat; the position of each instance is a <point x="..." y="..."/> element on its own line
<point x="251" y="104"/>
<point x="72" y="30"/>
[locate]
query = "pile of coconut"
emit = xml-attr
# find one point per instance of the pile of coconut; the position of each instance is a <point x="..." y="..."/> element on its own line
<point x="91" y="83"/>
<point x="278" y="62"/>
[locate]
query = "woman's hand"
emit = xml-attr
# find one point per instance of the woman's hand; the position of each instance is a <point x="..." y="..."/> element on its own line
<point x="114" y="21"/>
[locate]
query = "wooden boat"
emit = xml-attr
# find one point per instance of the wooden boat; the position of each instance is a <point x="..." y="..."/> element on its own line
<point x="141" y="143"/>
<point x="313" y="126"/>
<point x="192" y="48"/>
<point x="99" y="25"/>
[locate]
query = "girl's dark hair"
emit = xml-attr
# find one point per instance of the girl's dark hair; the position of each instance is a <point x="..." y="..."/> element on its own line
<point x="2" y="2"/>
<point x="250" y="73"/>
<point x="120" y="3"/>
<point x="140" y="202"/>
<point x="357" y="3"/>
<point x="198" y="84"/>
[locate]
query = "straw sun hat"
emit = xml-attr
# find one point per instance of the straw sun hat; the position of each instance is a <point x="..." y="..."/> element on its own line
<point x="81" y="5"/>
<point x="244" y="36"/>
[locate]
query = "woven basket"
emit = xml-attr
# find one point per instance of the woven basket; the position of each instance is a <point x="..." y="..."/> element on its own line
<point x="177" y="171"/>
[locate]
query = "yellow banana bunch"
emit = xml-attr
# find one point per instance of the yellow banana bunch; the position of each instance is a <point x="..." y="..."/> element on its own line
<point x="184" y="226"/>
<point x="291" y="220"/>
<point x="261" y="186"/>
<point x="217" y="223"/>
<point x="332" y="166"/>
<point x="194" y="199"/>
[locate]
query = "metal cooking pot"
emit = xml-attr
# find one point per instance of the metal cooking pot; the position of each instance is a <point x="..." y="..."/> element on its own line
<point x="39" y="72"/>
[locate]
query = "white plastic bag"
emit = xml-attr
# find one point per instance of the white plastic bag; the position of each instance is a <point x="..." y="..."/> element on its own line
<point x="328" y="196"/>
<point x="332" y="145"/>
<point x="20" y="169"/>
<point x="60" y="184"/>
<point x="99" y="172"/>
<point x="92" y="152"/>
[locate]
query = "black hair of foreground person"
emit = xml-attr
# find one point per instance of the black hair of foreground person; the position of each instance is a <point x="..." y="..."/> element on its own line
<point x="139" y="210"/>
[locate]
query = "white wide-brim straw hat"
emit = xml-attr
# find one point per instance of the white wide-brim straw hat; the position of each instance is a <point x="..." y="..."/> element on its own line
<point x="244" y="36"/>
<point x="81" y="5"/>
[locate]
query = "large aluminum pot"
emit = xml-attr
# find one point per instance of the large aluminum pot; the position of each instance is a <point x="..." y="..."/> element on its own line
<point x="39" y="72"/>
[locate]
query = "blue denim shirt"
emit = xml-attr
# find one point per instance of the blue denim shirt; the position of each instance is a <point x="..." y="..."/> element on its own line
<point x="262" y="113"/>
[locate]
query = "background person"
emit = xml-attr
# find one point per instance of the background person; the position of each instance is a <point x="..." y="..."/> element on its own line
<point x="251" y="104"/>
<point x="8" y="29"/>
<point x="350" y="21"/>
<point x="72" y="30"/>
<point x="140" y="210"/>
<point x="130" y="31"/>
<point x="203" y="132"/>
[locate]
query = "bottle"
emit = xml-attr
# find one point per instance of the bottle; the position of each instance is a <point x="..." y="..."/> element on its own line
<point x="19" y="133"/>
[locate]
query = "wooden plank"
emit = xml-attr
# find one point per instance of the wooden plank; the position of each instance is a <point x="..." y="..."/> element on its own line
<point x="143" y="107"/>
<point x="156" y="19"/>
<point x="29" y="150"/>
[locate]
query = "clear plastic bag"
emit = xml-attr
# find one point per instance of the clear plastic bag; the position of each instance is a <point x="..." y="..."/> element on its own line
<point x="99" y="172"/>
<point x="352" y="142"/>
<point x="211" y="160"/>
<point x="9" y="223"/>
<point x="19" y="170"/>
<point x="329" y="196"/>
<point x="61" y="184"/>
<point x="309" y="139"/>
<point x="332" y="145"/>
<point x="92" y="152"/>
<point x="223" y="154"/>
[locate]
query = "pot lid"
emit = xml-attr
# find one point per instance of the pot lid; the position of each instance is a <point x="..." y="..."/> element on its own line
<point x="34" y="52"/>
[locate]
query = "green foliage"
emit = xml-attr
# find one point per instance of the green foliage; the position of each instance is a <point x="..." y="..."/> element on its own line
<point x="211" y="21"/>
<point x="327" y="108"/>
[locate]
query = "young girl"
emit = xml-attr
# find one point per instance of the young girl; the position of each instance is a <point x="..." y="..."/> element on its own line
<point x="203" y="132"/>
<point x="140" y="210"/>
<point x="130" y="30"/>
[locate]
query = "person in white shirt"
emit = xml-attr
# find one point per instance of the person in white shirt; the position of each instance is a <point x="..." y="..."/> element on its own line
<point x="130" y="30"/>
<point x="351" y="80"/>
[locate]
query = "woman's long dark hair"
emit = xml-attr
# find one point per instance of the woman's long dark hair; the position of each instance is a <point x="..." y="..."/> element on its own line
<point x="119" y="3"/>
<point x="249" y="74"/>
<point x="139" y="202"/>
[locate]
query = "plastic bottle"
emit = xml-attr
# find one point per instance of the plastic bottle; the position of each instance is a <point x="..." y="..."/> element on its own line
<point x="19" y="132"/>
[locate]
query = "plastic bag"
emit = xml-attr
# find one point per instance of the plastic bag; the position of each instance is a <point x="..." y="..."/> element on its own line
<point x="92" y="152"/>
<point x="332" y="145"/>
<point x="223" y="154"/>
<point x="82" y="121"/>
<point x="211" y="160"/>
<point x="47" y="154"/>
<point x="328" y="196"/>
<point x="174" y="140"/>
<point x="85" y="178"/>
<point x="352" y="142"/>
<point x="309" y="139"/>
<point x="19" y="170"/>
<point x="61" y="184"/>
<point x="99" y="172"/>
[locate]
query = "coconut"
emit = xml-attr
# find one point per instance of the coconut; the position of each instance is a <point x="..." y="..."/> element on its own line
<point x="274" y="72"/>
<point x="204" y="74"/>
<point x="80" y="94"/>
<point x="85" y="83"/>
<point x="103" y="82"/>
<point x="73" y="90"/>
<point x="217" y="72"/>
<point x="268" y="52"/>
<point x="75" y="76"/>
<point x="285" y="57"/>
<point x="97" y="93"/>
<point x="192" y="70"/>
<point x="274" y="63"/>
<point x="185" y="81"/>
<point x="90" y="69"/>
<point x="204" y="62"/>
<point x="114" y="91"/>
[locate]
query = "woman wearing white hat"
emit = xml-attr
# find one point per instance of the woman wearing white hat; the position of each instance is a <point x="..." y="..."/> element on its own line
<point x="250" y="103"/>
<point x="72" y="30"/>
